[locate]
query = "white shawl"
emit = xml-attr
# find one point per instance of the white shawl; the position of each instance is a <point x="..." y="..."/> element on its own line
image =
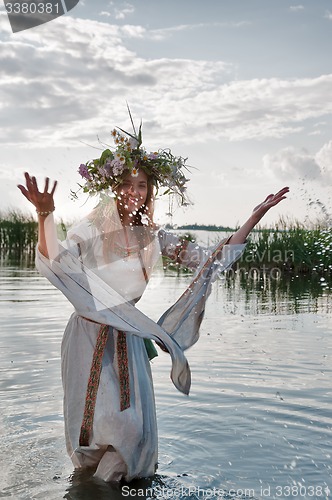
<point x="178" y="327"/>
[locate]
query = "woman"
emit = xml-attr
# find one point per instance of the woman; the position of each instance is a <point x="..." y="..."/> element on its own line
<point x="103" y="268"/>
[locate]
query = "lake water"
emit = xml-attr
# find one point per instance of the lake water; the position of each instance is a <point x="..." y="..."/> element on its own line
<point x="257" y="423"/>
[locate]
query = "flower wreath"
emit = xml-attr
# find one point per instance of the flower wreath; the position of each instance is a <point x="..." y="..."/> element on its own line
<point x="109" y="171"/>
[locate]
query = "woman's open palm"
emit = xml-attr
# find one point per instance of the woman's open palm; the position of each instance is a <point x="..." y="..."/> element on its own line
<point x="42" y="200"/>
<point x="269" y="202"/>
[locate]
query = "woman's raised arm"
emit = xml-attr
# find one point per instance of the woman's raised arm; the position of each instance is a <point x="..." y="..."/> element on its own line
<point x="270" y="201"/>
<point x="43" y="201"/>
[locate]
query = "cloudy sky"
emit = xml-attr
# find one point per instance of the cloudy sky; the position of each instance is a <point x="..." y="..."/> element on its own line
<point x="243" y="88"/>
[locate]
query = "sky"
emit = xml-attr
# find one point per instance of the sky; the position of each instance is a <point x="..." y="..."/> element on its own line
<point x="243" y="88"/>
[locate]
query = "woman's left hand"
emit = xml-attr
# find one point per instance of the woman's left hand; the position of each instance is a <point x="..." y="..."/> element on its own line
<point x="269" y="202"/>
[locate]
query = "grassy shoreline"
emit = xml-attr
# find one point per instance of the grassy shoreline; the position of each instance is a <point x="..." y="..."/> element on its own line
<point x="296" y="249"/>
<point x="288" y="246"/>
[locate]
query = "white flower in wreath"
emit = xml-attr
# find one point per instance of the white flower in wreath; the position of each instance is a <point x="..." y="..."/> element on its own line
<point x="133" y="143"/>
<point x="134" y="172"/>
<point x="120" y="158"/>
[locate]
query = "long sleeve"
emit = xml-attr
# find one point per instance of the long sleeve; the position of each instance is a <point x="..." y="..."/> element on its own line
<point x="191" y="255"/>
<point x="183" y="319"/>
<point x="180" y="251"/>
<point x="95" y="300"/>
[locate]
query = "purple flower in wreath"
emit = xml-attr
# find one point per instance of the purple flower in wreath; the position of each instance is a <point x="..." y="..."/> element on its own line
<point x="84" y="172"/>
<point x="108" y="167"/>
<point x="117" y="167"/>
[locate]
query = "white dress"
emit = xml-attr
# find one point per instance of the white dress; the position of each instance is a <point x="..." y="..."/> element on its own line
<point x="122" y="440"/>
<point x="122" y="443"/>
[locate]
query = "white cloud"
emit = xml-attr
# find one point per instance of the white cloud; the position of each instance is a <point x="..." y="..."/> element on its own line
<point x="296" y="8"/>
<point x="320" y="124"/>
<point x="328" y="15"/>
<point x="124" y="11"/>
<point x="105" y="13"/>
<point x="324" y="160"/>
<point x="57" y="89"/>
<point x="120" y="12"/>
<point x="164" y="33"/>
<point x="259" y="108"/>
<point x="290" y="164"/>
<point x="315" y="132"/>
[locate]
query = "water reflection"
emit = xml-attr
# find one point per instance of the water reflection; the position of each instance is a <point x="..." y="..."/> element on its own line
<point x="259" y="412"/>
<point x="272" y="290"/>
<point x="83" y="486"/>
<point x="279" y="292"/>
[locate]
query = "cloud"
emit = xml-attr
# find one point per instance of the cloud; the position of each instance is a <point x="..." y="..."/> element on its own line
<point x="324" y="160"/>
<point x="290" y="164"/>
<point x="57" y="89"/>
<point x="71" y="86"/>
<point x="258" y="108"/>
<point x="105" y="13"/>
<point x="126" y="10"/>
<point x="164" y="33"/>
<point x="296" y="8"/>
<point x="328" y="15"/>
<point x="120" y="12"/>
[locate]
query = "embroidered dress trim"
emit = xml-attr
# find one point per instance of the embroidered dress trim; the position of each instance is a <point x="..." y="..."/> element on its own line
<point x="93" y="384"/>
<point x="123" y="371"/>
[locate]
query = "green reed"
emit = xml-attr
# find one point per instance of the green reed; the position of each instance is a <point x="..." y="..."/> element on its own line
<point x="292" y="247"/>
<point x="18" y="235"/>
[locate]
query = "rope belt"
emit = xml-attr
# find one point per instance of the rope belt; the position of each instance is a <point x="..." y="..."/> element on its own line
<point x="94" y="378"/>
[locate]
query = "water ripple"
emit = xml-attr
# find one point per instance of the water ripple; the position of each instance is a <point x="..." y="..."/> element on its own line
<point x="258" y="416"/>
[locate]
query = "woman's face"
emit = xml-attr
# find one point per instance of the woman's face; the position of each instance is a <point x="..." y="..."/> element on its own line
<point x="132" y="193"/>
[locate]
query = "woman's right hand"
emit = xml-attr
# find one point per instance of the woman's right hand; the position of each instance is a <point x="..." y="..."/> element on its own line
<point x="42" y="200"/>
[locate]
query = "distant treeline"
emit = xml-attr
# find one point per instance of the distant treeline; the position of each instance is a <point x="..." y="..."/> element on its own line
<point x="200" y="227"/>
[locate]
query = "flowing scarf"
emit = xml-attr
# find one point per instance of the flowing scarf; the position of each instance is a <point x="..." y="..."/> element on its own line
<point x="178" y="327"/>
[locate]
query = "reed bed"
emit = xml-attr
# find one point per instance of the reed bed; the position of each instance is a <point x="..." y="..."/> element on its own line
<point x="292" y="247"/>
<point x="288" y="246"/>
<point x="18" y="236"/>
